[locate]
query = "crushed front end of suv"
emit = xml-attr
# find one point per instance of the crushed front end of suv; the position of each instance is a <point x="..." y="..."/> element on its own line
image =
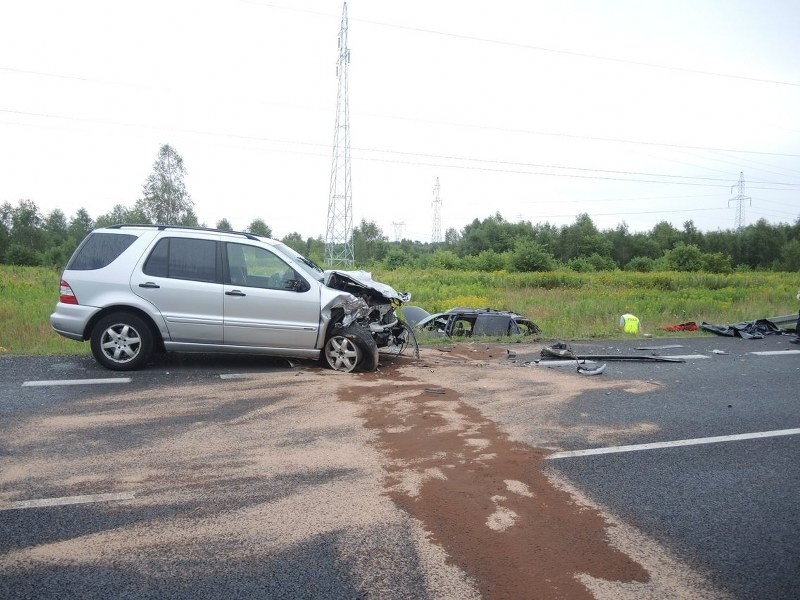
<point x="131" y="290"/>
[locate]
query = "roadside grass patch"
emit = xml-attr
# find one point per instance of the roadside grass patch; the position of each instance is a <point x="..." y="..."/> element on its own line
<point x="27" y="297"/>
<point x="565" y="305"/>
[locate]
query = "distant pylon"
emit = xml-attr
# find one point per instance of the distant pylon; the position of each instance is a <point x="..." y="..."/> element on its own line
<point x="740" y="199"/>
<point x="399" y="226"/>
<point x="436" y="235"/>
<point x="339" y="233"/>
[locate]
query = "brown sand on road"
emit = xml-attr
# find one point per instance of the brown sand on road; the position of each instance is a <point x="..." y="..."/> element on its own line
<point x="421" y="457"/>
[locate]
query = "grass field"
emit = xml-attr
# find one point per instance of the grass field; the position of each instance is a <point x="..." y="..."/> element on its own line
<point x="566" y="305"/>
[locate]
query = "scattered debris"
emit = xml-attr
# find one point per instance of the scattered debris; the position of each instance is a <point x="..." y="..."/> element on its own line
<point x="561" y="350"/>
<point x="596" y="371"/>
<point x="748" y="330"/>
<point x="690" y="326"/>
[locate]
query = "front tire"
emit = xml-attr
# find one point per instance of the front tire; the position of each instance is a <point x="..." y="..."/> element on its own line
<point x="351" y="348"/>
<point x="122" y="342"/>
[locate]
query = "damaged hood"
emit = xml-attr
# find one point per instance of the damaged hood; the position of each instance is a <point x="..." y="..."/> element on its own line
<point x="345" y="280"/>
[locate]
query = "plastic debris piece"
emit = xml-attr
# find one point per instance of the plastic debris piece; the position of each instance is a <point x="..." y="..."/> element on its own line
<point x="596" y="371"/>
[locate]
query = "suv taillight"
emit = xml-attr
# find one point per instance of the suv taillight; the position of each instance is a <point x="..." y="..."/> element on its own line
<point x="67" y="296"/>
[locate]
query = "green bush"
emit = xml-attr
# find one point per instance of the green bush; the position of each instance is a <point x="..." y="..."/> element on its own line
<point x="641" y="264"/>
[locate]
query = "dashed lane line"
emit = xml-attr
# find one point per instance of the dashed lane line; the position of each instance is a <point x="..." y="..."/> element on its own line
<point x="66" y="500"/>
<point x="775" y="352"/>
<point x="53" y="382"/>
<point x="673" y="444"/>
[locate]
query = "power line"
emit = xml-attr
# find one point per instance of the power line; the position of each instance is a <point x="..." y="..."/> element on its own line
<point x="696" y="181"/>
<point x="571" y="53"/>
<point x="447" y="123"/>
<point x="564" y="175"/>
<point x="551" y="166"/>
<point x="641" y="212"/>
<point x="582" y="137"/>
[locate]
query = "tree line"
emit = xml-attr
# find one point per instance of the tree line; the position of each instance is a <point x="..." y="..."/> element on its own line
<point x="494" y="243"/>
<point x="28" y="237"/>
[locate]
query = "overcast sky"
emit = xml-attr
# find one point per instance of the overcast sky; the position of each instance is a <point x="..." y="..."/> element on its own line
<point x="630" y="111"/>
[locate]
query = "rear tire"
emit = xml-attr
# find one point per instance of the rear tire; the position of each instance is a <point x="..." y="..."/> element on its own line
<point x="351" y="348"/>
<point x="122" y="342"/>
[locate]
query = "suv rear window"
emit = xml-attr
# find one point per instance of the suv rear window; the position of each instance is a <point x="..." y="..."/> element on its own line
<point x="99" y="250"/>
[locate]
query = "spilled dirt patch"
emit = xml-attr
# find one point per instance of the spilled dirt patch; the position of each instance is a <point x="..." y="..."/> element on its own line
<point x="485" y="499"/>
<point x="424" y="479"/>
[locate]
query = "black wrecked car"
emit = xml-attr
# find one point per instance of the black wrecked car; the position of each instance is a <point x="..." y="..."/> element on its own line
<point x="471" y="322"/>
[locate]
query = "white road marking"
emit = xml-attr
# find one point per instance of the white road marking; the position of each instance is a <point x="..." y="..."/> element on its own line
<point x="674" y="443"/>
<point x="42" y="502"/>
<point x="684" y="356"/>
<point x="775" y="352"/>
<point x="76" y="381"/>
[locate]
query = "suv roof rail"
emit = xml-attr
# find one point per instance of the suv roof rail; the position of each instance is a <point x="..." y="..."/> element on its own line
<point x="248" y="235"/>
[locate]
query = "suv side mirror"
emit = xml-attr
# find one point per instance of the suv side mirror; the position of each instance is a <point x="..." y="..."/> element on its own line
<point x="297" y="285"/>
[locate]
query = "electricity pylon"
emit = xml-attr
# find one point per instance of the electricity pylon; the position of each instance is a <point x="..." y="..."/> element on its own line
<point x="339" y="233"/>
<point x="740" y="199"/>
<point x="399" y="226"/>
<point x="436" y="235"/>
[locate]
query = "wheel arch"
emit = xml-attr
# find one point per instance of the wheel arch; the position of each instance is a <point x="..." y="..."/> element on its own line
<point x="158" y="340"/>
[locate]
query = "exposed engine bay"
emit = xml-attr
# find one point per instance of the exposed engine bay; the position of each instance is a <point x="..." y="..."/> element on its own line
<point x="374" y="308"/>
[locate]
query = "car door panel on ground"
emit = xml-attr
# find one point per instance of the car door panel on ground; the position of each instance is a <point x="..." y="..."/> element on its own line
<point x="182" y="278"/>
<point x="262" y="306"/>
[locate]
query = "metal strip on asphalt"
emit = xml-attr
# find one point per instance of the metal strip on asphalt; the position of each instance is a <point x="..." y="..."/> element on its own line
<point x="76" y="381"/>
<point x="674" y="443"/>
<point x="43" y="502"/>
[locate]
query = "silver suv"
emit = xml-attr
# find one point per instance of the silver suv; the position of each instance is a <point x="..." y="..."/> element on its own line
<point x="134" y="289"/>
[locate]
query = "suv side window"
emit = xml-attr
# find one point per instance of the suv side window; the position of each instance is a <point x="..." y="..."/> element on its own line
<point x="99" y="250"/>
<point x="183" y="258"/>
<point x="252" y="266"/>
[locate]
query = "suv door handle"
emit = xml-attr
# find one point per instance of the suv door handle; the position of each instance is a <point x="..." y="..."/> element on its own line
<point x="149" y="284"/>
<point x="235" y="293"/>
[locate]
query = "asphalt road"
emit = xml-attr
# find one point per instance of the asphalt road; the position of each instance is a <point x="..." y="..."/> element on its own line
<point x="728" y="509"/>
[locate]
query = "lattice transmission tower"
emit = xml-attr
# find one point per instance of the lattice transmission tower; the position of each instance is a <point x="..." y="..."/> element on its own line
<point x="436" y="234"/>
<point x="399" y="227"/>
<point x="339" y="233"/>
<point x="740" y="199"/>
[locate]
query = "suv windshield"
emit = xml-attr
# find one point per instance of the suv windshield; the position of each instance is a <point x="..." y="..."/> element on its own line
<point x="309" y="266"/>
